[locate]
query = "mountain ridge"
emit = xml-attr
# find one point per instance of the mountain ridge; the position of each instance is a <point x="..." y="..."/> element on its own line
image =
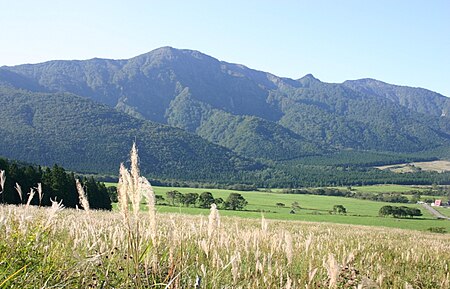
<point x="201" y="94"/>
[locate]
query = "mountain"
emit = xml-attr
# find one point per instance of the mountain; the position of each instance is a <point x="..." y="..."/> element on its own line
<point x="82" y="135"/>
<point x="256" y="114"/>
<point x="416" y="99"/>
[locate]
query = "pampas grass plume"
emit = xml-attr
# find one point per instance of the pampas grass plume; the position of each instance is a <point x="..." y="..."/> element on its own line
<point x="82" y="195"/>
<point x="2" y="180"/>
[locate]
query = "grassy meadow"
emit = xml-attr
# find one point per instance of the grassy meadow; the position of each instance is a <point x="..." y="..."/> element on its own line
<point x="53" y="248"/>
<point x="313" y="208"/>
<point x="140" y="245"/>
<point x="443" y="211"/>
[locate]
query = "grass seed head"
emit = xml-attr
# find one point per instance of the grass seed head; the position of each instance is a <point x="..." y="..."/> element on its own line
<point x="214" y="220"/>
<point x="82" y="195"/>
<point x="2" y="180"/>
<point x="122" y="189"/>
<point x="30" y="197"/>
<point x="19" y="191"/>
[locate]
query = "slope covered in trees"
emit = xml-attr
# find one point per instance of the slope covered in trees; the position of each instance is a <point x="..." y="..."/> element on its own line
<point x="194" y="91"/>
<point x="266" y="130"/>
<point x="81" y="135"/>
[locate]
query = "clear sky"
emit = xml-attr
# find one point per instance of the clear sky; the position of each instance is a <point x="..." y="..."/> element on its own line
<point x="404" y="42"/>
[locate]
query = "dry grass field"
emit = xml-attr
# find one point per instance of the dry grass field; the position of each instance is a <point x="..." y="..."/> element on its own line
<point x="53" y="248"/>
<point x="437" y="166"/>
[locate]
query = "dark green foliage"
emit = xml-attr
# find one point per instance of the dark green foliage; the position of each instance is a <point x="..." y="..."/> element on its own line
<point x="385" y="211"/>
<point x="219" y="202"/>
<point x="440" y="230"/>
<point x="97" y="194"/>
<point x="306" y="132"/>
<point x="399" y="212"/>
<point x="205" y="200"/>
<point x="175" y="197"/>
<point x="255" y="137"/>
<point x="231" y="104"/>
<point x="235" y="201"/>
<point x="57" y="185"/>
<point x="89" y="137"/>
<point x="190" y="199"/>
<point x="112" y="193"/>
<point x="159" y="199"/>
<point x="339" y="209"/>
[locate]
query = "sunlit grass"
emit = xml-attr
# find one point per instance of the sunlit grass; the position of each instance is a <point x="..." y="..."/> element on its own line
<point x="89" y="250"/>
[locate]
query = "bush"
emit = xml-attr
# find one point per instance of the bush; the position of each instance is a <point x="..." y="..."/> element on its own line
<point x="235" y="201"/>
<point x="440" y="230"/>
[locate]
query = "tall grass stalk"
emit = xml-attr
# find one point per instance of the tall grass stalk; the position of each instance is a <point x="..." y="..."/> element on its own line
<point x="131" y="188"/>
<point x="19" y="191"/>
<point x="2" y="180"/>
<point x="82" y="195"/>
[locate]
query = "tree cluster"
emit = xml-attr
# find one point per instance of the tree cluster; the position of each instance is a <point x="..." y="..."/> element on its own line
<point x="339" y="209"/>
<point x="379" y="197"/>
<point x="234" y="201"/>
<point x="399" y="212"/>
<point x="57" y="185"/>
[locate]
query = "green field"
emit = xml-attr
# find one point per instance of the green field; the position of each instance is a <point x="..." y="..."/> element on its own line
<point x="443" y="210"/>
<point x="313" y="208"/>
<point x="384" y="188"/>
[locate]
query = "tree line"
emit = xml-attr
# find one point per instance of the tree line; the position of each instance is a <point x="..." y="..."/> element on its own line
<point x="399" y="212"/>
<point x="380" y="197"/>
<point x="234" y="201"/>
<point x="57" y="185"/>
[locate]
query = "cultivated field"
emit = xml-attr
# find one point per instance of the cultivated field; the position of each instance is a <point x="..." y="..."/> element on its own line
<point x="48" y="248"/>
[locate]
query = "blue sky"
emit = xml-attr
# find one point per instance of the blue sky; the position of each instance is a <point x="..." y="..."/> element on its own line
<point x="401" y="42"/>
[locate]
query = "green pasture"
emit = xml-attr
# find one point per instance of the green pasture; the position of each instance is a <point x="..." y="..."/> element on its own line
<point x="384" y="188"/>
<point x="312" y="208"/>
<point x="443" y="210"/>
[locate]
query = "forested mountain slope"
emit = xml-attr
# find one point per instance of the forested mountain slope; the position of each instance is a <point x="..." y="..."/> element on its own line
<point x="48" y="128"/>
<point x="254" y="113"/>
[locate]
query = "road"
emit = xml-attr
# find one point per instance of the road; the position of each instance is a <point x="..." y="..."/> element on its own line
<point x="434" y="212"/>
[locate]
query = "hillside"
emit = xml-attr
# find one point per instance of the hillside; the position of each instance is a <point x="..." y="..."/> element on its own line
<point x="48" y="128"/>
<point x="242" y="109"/>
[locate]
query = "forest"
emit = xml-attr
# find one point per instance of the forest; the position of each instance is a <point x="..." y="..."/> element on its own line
<point x="56" y="184"/>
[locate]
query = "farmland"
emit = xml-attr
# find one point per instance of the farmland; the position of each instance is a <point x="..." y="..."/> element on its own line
<point x="312" y="208"/>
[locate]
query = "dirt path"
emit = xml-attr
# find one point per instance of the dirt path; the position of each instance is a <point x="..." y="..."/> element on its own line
<point x="434" y="212"/>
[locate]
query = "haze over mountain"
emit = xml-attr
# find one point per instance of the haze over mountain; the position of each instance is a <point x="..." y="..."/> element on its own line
<point x="256" y="114"/>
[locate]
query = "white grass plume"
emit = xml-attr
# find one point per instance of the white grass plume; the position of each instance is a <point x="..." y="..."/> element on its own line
<point x="333" y="270"/>
<point x="135" y="192"/>
<point x="122" y="189"/>
<point x="30" y="197"/>
<point x="40" y="194"/>
<point x="213" y="220"/>
<point x="82" y="195"/>
<point x="53" y="211"/>
<point x="2" y="180"/>
<point x="147" y="191"/>
<point x="19" y="191"/>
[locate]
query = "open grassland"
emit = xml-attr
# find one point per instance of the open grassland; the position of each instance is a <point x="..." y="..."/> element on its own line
<point x="436" y="166"/>
<point x="443" y="210"/>
<point x="48" y="248"/>
<point x="385" y="188"/>
<point x="313" y="208"/>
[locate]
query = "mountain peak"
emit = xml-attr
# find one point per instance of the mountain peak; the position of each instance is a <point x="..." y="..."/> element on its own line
<point x="308" y="79"/>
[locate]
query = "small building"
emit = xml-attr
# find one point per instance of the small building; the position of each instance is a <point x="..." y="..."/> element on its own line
<point x="438" y="203"/>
